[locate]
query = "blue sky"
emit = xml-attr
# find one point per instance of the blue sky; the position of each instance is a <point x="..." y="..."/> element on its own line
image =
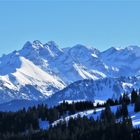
<point x="100" y="24"/>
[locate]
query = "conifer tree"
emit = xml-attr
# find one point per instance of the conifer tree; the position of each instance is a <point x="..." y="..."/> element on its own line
<point x="137" y="104"/>
<point x="133" y="96"/>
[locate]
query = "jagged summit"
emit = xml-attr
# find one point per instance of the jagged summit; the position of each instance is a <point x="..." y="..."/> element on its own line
<point x="49" y="49"/>
<point x="51" y="44"/>
<point x="37" y="44"/>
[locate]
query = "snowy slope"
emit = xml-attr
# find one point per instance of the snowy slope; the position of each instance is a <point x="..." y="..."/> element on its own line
<point x="27" y="81"/>
<point x="101" y="89"/>
<point x="94" y="90"/>
<point x="90" y="113"/>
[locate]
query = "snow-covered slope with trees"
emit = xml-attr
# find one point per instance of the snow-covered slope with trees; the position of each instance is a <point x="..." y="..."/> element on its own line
<point x="95" y="90"/>
<point x="135" y="116"/>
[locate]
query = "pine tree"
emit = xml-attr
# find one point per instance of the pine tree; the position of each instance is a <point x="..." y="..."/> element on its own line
<point x="125" y="99"/>
<point x="124" y="110"/>
<point x="133" y="96"/>
<point x="137" y="104"/>
<point x="119" y="112"/>
<point x="107" y="116"/>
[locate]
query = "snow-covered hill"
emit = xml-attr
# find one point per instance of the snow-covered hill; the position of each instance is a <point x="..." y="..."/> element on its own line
<point x="135" y="116"/>
<point x="38" y="70"/>
<point x="95" y="90"/>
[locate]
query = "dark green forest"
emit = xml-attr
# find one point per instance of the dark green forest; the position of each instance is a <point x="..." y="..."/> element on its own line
<point x="24" y="124"/>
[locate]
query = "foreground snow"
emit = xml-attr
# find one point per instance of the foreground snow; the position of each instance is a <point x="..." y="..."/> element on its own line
<point x="91" y="113"/>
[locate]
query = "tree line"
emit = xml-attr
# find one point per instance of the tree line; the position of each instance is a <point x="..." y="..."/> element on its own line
<point x="105" y="127"/>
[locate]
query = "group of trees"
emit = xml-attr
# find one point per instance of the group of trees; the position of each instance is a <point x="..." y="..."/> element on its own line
<point x="135" y="98"/>
<point x="105" y="127"/>
<point x="110" y="125"/>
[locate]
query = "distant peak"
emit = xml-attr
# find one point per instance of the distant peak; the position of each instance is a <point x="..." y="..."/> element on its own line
<point x="84" y="48"/>
<point x="27" y="44"/>
<point x="134" y="49"/>
<point x="115" y="48"/>
<point x="37" y="44"/>
<point x="131" y="47"/>
<point x="79" y="46"/>
<point x="51" y="44"/>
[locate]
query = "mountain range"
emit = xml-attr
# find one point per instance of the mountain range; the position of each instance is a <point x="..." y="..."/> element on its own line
<point x="46" y="72"/>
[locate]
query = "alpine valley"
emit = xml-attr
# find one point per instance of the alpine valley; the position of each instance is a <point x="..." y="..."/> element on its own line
<point x="50" y="74"/>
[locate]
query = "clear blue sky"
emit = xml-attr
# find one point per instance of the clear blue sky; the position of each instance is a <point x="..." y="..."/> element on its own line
<point x="100" y="24"/>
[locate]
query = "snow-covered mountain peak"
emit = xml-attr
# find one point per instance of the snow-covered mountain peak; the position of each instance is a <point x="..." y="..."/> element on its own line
<point x="52" y="44"/>
<point x="37" y="44"/>
<point x="82" y="51"/>
<point x="37" y="51"/>
<point x="29" y="47"/>
<point x="53" y="48"/>
<point x="46" y="68"/>
<point x="27" y="44"/>
<point x="134" y="49"/>
<point x="110" y="51"/>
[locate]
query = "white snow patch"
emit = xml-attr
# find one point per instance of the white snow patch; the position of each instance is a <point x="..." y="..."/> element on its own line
<point x="92" y="113"/>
